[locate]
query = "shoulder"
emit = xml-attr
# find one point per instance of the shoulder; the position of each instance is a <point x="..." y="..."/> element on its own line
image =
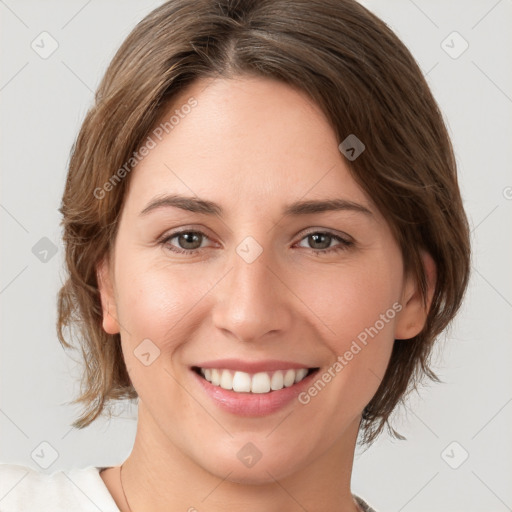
<point x="24" y="489"/>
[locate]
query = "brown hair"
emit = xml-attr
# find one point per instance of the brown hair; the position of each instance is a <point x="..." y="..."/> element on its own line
<point x="366" y="82"/>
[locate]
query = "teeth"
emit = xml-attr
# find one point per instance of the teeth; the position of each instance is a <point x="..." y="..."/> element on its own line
<point x="215" y="377"/>
<point x="241" y="382"/>
<point x="262" y="382"/>
<point x="226" y="380"/>
<point x="289" y="378"/>
<point x="300" y="374"/>
<point x="277" y="382"/>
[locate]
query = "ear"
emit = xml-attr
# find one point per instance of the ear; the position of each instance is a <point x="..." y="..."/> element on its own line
<point x="412" y="317"/>
<point x="108" y="302"/>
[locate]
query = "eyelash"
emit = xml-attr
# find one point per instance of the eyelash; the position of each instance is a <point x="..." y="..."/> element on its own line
<point x="345" y="244"/>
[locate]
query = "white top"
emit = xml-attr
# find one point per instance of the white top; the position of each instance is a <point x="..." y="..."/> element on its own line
<point x="23" y="489"/>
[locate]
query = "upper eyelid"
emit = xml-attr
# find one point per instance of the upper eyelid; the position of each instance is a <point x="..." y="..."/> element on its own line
<point x="328" y="231"/>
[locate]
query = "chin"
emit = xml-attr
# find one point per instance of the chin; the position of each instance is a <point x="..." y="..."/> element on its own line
<point x="252" y="466"/>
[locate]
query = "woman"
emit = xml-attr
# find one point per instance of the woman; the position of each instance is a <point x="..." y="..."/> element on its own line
<point x="264" y="237"/>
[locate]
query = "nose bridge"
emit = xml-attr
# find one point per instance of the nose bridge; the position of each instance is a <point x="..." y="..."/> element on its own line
<point x="252" y="300"/>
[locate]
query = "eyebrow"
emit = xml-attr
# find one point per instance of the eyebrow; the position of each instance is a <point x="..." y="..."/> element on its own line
<point x="297" y="208"/>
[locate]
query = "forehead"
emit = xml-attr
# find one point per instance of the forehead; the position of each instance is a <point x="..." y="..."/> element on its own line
<point x="243" y="141"/>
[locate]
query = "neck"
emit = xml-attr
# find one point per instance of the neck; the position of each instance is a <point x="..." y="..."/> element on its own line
<point x="158" y="476"/>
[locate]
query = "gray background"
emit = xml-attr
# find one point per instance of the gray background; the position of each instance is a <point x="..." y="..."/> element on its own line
<point x="43" y="101"/>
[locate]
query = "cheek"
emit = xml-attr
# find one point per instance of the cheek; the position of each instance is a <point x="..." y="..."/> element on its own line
<point x="359" y="306"/>
<point x="159" y="300"/>
<point x="156" y="304"/>
<point x="154" y="301"/>
<point x="352" y="298"/>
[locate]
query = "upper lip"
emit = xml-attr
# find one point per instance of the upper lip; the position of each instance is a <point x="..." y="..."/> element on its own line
<point x="266" y="365"/>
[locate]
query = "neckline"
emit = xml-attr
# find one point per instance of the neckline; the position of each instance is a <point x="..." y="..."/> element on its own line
<point x="109" y="499"/>
<point x="360" y="502"/>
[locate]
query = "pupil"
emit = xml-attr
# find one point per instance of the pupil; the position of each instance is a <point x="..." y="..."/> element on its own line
<point x="318" y="237"/>
<point x="190" y="238"/>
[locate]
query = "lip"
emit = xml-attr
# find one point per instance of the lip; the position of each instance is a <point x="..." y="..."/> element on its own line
<point x="268" y="365"/>
<point x="252" y="404"/>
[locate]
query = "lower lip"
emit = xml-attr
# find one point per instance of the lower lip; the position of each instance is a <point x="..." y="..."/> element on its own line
<point x="252" y="404"/>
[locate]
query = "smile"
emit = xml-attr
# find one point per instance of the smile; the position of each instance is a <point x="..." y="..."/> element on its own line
<point x="261" y="382"/>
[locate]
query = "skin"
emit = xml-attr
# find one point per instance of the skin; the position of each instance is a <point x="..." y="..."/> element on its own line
<point x="252" y="145"/>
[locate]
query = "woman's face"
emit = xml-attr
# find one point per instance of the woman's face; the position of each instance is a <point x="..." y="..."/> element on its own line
<point x="251" y="288"/>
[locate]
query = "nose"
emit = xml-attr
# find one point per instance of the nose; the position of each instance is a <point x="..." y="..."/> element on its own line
<point x="253" y="301"/>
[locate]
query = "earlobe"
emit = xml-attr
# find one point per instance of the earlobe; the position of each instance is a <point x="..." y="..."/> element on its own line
<point x="413" y="316"/>
<point x="108" y="304"/>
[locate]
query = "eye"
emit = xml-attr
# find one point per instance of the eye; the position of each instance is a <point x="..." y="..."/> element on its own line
<point x="321" y="242"/>
<point x="189" y="242"/>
